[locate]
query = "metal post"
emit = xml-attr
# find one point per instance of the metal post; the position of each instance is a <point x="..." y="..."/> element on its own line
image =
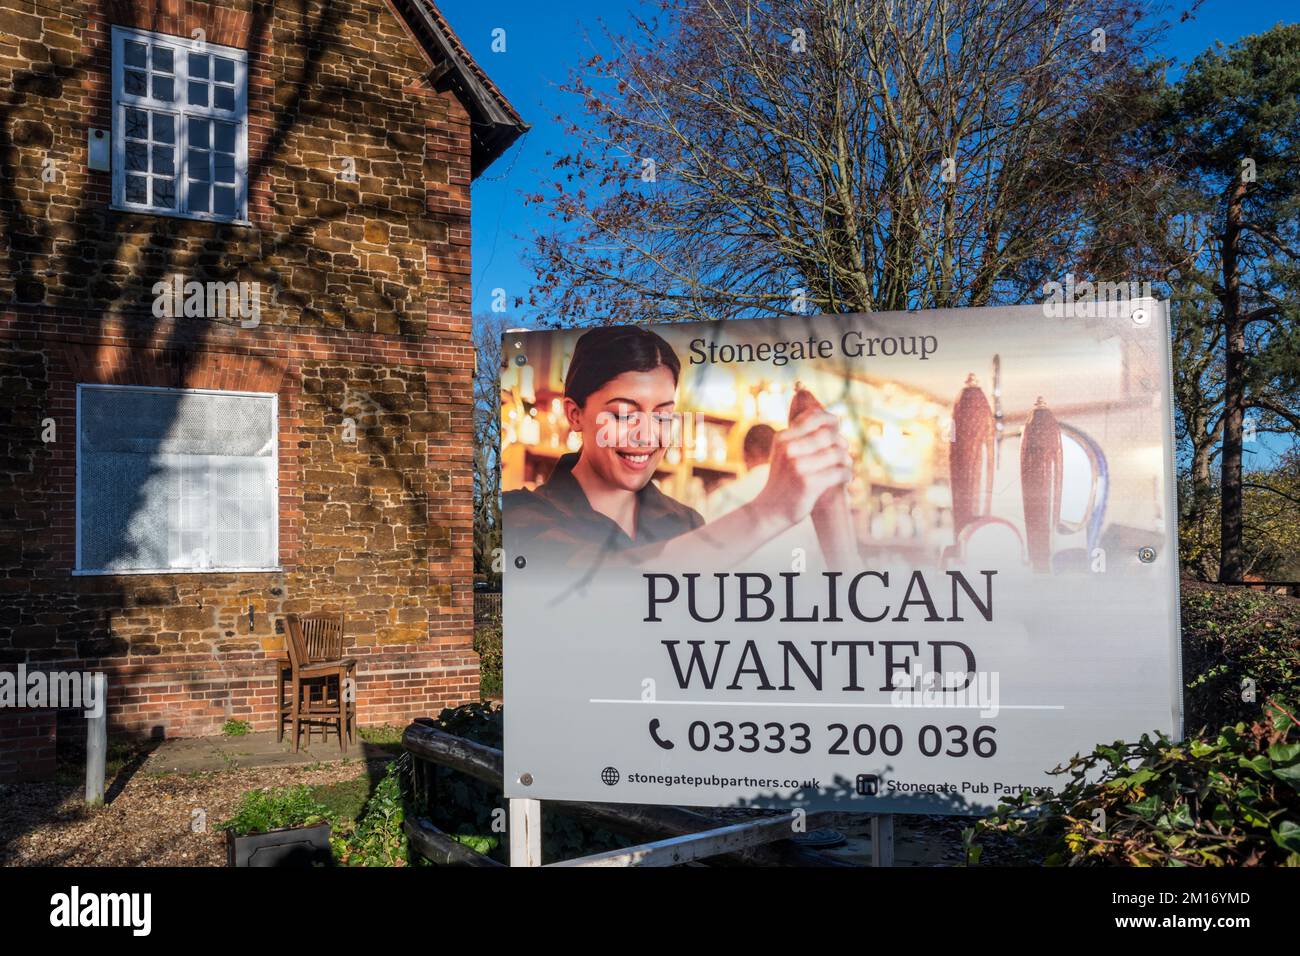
<point x="97" y="743"/>
<point x="882" y="839"/>
<point x="525" y="832"/>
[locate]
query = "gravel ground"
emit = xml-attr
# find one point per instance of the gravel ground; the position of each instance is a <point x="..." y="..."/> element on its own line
<point x="148" y="820"/>
<point x="147" y="824"/>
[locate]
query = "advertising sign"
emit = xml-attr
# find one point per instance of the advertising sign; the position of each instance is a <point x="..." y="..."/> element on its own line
<point x="902" y="562"/>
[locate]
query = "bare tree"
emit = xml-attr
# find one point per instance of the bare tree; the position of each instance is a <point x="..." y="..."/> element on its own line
<point x="740" y="157"/>
<point x="488" y="328"/>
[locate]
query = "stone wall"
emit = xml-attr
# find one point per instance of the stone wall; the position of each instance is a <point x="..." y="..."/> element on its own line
<point x="365" y="319"/>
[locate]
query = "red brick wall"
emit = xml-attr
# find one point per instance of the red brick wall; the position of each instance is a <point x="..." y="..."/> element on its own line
<point x="372" y="281"/>
<point x="26" y="744"/>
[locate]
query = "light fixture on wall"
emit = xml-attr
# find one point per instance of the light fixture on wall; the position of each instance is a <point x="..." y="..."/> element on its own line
<point x="97" y="151"/>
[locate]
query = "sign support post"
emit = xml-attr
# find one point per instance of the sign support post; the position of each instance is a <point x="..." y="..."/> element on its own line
<point x="97" y="744"/>
<point x="525" y="832"/>
<point x="882" y="839"/>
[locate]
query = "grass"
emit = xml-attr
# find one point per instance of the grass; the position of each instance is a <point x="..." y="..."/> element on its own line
<point x="381" y="734"/>
<point x="235" y="728"/>
<point x="70" y="769"/>
<point x="345" y="800"/>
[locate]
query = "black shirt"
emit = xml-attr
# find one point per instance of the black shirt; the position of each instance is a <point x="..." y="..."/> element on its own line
<point x="557" y="523"/>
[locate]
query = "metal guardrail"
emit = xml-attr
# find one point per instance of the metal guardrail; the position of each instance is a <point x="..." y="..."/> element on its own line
<point x="691" y="835"/>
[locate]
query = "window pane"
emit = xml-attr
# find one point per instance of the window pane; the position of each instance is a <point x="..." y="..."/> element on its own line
<point x="164" y="193"/>
<point x="137" y="124"/>
<point x="225" y="134"/>
<point x="223" y="168"/>
<point x="137" y="157"/>
<point x="241" y="512"/>
<point x="197" y="165"/>
<point x="164" y="160"/>
<point x="206" y="179"/>
<point x="223" y="200"/>
<point x="164" y="128"/>
<point x="123" y="523"/>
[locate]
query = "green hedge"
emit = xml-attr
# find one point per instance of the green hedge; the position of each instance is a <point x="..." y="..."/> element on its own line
<point x="1228" y="799"/>
<point x="487" y="642"/>
<point x="1232" y="636"/>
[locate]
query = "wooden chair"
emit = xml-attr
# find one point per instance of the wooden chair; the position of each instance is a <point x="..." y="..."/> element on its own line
<point x="318" y="677"/>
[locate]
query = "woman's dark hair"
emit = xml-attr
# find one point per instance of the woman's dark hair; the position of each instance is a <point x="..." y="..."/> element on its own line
<point x="605" y="353"/>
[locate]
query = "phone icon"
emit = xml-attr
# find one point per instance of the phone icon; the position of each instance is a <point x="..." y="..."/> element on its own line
<point x="654" y="735"/>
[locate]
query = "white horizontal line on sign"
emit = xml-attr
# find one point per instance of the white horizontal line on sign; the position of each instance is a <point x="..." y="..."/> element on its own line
<point x="790" y="703"/>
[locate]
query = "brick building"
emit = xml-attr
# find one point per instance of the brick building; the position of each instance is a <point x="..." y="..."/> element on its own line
<point x="235" y="347"/>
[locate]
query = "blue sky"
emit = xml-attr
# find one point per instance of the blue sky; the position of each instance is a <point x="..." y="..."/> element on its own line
<point x="544" y="40"/>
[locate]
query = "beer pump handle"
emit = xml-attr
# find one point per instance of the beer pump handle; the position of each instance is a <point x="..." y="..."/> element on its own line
<point x="1040" y="483"/>
<point x="971" y="457"/>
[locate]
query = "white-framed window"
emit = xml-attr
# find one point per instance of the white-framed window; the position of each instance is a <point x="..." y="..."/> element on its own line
<point x="180" y="126"/>
<point x="175" y="480"/>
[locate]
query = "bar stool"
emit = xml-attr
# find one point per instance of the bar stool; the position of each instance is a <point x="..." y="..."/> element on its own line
<point x="318" y="677"/>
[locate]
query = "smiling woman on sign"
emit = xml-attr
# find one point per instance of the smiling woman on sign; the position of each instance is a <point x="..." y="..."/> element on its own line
<point x="620" y="394"/>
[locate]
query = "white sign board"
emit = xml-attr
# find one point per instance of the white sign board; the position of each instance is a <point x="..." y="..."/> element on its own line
<point x="888" y="562"/>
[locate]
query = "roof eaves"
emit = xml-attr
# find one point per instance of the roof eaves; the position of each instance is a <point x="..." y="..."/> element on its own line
<point x="495" y="123"/>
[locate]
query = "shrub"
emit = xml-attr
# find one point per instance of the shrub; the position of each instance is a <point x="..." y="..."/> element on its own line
<point x="377" y="838"/>
<point x="359" y="836"/>
<point x="263" y="810"/>
<point x="1230" y="635"/>
<point x="1232" y="799"/>
<point x="487" y="642"/>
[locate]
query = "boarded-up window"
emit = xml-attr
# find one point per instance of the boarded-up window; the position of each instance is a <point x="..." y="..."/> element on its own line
<point x="175" y="480"/>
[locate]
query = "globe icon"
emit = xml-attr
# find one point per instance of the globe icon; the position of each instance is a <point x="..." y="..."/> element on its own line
<point x="609" y="776"/>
